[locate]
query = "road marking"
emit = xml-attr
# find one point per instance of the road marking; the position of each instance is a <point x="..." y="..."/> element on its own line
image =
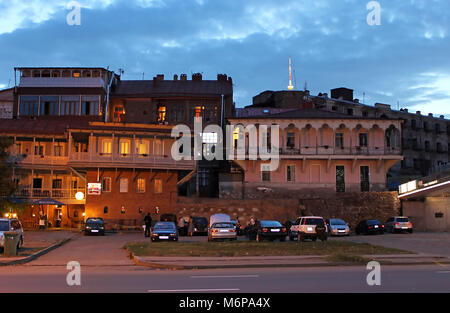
<point x="229" y="276"/>
<point x="194" y="290"/>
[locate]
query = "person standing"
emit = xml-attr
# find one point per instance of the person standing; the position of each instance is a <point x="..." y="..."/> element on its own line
<point x="191" y="226"/>
<point x="181" y="224"/>
<point x="148" y="224"/>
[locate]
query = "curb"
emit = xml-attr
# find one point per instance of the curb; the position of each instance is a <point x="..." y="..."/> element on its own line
<point x="160" y="266"/>
<point x="36" y="255"/>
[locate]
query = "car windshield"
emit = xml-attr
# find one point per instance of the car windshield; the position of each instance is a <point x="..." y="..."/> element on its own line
<point x="270" y="224"/>
<point x="94" y="221"/>
<point x="373" y="222"/>
<point x="4" y="225"/>
<point x="200" y="220"/>
<point x="223" y="225"/>
<point x="335" y="221"/>
<point x="164" y="226"/>
<point x="403" y="220"/>
<point x="313" y="221"/>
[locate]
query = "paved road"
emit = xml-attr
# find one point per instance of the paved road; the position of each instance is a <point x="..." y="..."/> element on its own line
<point x="138" y="279"/>
<point x="105" y="267"/>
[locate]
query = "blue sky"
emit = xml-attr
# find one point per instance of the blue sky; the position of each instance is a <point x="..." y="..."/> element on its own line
<point x="404" y="60"/>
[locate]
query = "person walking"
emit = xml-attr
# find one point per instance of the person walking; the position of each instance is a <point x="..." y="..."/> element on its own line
<point x="148" y="224"/>
<point x="181" y="224"/>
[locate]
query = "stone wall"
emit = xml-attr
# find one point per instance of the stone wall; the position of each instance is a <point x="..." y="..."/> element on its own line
<point x="352" y="207"/>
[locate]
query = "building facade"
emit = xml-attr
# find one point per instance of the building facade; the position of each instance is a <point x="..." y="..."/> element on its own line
<point x="323" y="151"/>
<point x="425" y="138"/>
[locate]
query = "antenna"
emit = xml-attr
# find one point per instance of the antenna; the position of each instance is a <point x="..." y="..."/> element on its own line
<point x="364" y="98"/>
<point x="121" y="71"/>
<point x="290" y="86"/>
<point x="143" y="75"/>
<point x="306" y="85"/>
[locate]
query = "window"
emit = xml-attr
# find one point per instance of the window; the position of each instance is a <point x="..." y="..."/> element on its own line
<point x="106" y="184"/>
<point x="75" y="213"/>
<point x="158" y="186"/>
<point x="18" y="148"/>
<point x="140" y="185"/>
<point x="142" y="148"/>
<point x="265" y="172"/>
<point x="123" y="187"/>
<point x="198" y="111"/>
<point x="57" y="184"/>
<point x="290" y="173"/>
<point x="107" y="146"/>
<point x="157" y="147"/>
<point x="365" y="114"/>
<point x="59" y="150"/>
<point x="209" y="141"/>
<point x="350" y="111"/>
<point x="124" y="147"/>
<point x="290" y="140"/>
<point x="363" y="140"/>
<point x="122" y="210"/>
<point x="105" y="210"/>
<point x="119" y="113"/>
<point x="39" y="149"/>
<point x="364" y="178"/>
<point x="29" y="105"/>
<point x="340" y="179"/>
<point x="49" y="105"/>
<point x="161" y="114"/>
<point x="339" y="140"/>
<point x="413" y="124"/>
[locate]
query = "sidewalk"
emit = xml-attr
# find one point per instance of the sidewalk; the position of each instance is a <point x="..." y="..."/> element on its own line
<point x="183" y="263"/>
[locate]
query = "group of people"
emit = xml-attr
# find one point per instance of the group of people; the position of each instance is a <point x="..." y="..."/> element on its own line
<point x="186" y="228"/>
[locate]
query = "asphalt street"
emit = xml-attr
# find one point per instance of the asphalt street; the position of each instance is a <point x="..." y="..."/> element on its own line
<point x="105" y="267"/>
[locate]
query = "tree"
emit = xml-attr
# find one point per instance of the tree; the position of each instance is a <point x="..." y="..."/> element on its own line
<point x="7" y="185"/>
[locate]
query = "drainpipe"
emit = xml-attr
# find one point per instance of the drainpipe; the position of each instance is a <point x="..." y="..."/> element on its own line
<point x="107" y="97"/>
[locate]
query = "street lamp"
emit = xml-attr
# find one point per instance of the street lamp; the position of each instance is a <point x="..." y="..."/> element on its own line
<point x="79" y="196"/>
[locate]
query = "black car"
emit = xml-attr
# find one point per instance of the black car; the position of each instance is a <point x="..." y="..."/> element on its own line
<point x="168" y="218"/>
<point x="164" y="231"/>
<point x="270" y="230"/>
<point x="94" y="226"/>
<point x="200" y="225"/>
<point x="369" y="227"/>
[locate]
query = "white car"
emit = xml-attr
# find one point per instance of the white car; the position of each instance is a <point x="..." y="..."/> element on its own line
<point x="10" y="224"/>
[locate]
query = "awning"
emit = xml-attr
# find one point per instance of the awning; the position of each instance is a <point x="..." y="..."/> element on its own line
<point x="48" y="201"/>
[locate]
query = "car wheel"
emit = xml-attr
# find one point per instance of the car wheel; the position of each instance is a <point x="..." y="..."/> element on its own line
<point x="410" y="231"/>
<point x="299" y="238"/>
<point x="314" y="239"/>
<point x="282" y="239"/>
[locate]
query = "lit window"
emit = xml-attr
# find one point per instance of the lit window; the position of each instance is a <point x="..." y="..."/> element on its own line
<point x="123" y="185"/>
<point x="119" y="113"/>
<point x="124" y="147"/>
<point x="158" y="147"/>
<point x="142" y="148"/>
<point x="158" y="186"/>
<point x="140" y="185"/>
<point x="107" y="146"/>
<point x="161" y="114"/>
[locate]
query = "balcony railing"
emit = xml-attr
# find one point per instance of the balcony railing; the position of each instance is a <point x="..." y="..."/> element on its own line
<point x="140" y="159"/>
<point x="42" y="193"/>
<point x="30" y="159"/>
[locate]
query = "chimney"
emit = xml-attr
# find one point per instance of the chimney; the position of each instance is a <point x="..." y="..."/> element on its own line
<point x="356" y="100"/>
<point x="175" y="77"/>
<point x="160" y="77"/>
<point x="197" y="77"/>
<point x="406" y="110"/>
<point x="418" y="112"/>
<point x="230" y="80"/>
<point x="221" y="77"/>
<point x="342" y="93"/>
<point x="183" y="77"/>
<point x="441" y="117"/>
<point x="154" y="81"/>
<point x="430" y="114"/>
<point x="325" y="95"/>
<point x="306" y="92"/>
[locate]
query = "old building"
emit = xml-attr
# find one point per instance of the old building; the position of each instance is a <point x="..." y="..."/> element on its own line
<point x="6" y="103"/>
<point x="425" y="138"/>
<point x="320" y="151"/>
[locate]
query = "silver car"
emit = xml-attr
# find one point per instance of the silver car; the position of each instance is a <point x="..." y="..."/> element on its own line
<point x="398" y="224"/>
<point x="222" y="230"/>
<point x="338" y="227"/>
<point x="10" y="224"/>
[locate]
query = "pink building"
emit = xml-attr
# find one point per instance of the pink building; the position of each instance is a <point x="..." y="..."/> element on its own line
<point x="323" y="150"/>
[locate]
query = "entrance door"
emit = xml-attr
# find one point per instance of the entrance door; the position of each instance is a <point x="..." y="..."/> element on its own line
<point x="364" y="176"/>
<point x="57" y="217"/>
<point x="340" y="179"/>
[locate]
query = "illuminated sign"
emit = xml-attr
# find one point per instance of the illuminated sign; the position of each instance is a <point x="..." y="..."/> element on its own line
<point x="94" y="188"/>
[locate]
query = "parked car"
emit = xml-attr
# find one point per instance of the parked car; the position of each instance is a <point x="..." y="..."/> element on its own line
<point x="288" y="225"/>
<point x="309" y="227"/>
<point x="168" y="217"/>
<point x="94" y="225"/>
<point x="369" y="227"/>
<point x="270" y="230"/>
<point x="164" y="231"/>
<point x="222" y="230"/>
<point x="398" y="224"/>
<point x="10" y="224"/>
<point x="200" y="225"/>
<point x="337" y="227"/>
